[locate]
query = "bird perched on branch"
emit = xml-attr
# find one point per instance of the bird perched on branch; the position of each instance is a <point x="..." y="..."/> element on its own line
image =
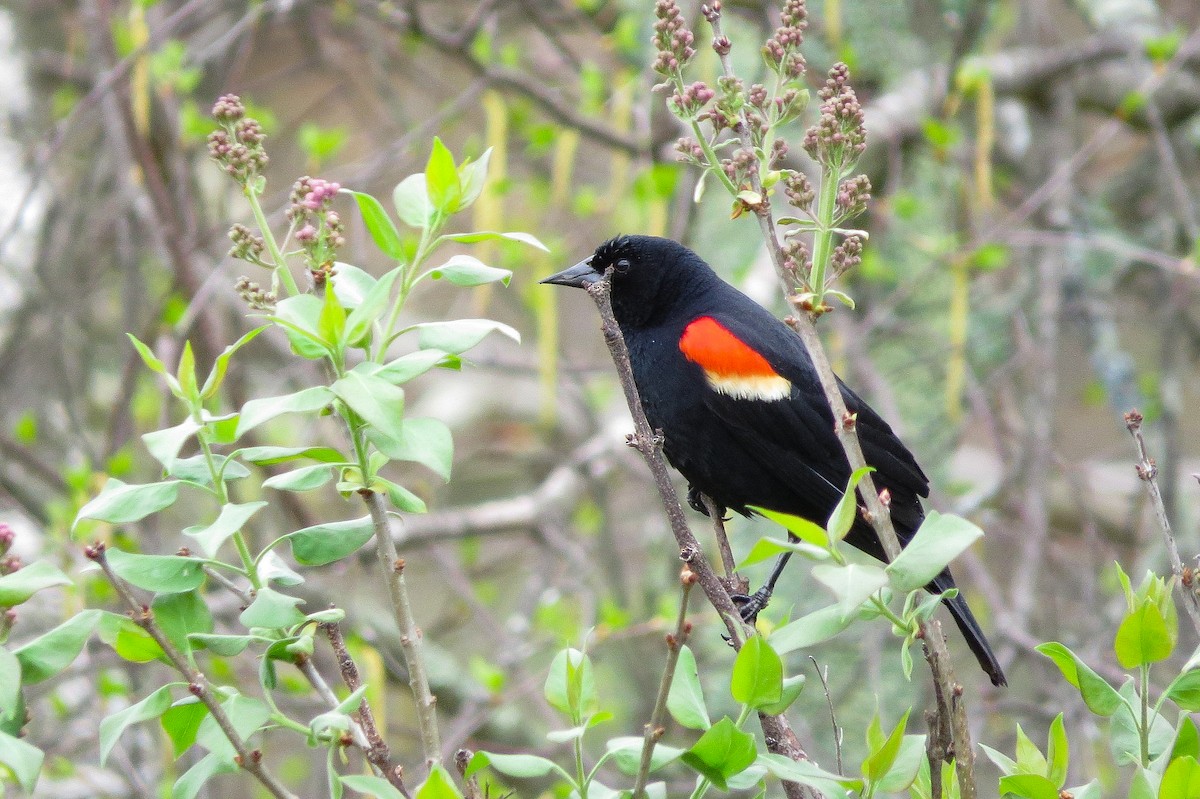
<point x="741" y="408"/>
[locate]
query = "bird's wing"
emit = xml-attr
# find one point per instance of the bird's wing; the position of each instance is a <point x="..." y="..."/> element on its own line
<point x="768" y="393"/>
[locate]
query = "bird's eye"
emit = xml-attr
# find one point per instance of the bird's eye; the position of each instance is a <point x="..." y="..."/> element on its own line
<point x="621" y="266"/>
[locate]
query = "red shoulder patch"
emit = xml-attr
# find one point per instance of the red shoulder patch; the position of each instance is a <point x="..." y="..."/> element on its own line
<point x="709" y="343"/>
<point x="731" y="365"/>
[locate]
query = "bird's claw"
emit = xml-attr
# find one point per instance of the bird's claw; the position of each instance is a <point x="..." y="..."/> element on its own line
<point x="750" y="606"/>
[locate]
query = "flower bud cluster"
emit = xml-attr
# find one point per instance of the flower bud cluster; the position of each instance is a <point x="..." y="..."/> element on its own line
<point x="840" y="135"/>
<point x="846" y="255"/>
<point x="246" y="246"/>
<point x="782" y="51"/>
<point x="740" y="166"/>
<point x="797" y="261"/>
<point x="691" y="101"/>
<point x="254" y="295"/>
<point x="238" y="145"/>
<point x="319" y="229"/>
<point x="799" y="190"/>
<point x="852" y="196"/>
<point x="690" y="151"/>
<point x="672" y="39"/>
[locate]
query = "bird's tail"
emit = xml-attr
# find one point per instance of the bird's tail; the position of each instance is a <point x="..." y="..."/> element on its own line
<point x="970" y="629"/>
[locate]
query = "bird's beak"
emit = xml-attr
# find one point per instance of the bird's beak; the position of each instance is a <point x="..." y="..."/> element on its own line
<point x="579" y="276"/>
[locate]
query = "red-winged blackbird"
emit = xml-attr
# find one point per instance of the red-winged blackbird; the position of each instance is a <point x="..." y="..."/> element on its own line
<point x="739" y="404"/>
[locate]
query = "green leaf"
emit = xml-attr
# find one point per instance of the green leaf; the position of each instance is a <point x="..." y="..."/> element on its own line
<point x="846" y="511"/>
<point x="940" y="539"/>
<point x="412" y="202"/>
<point x="257" y="411"/>
<point x="757" y="678"/>
<point x="329" y="542"/>
<point x="52" y="651"/>
<point x="10" y="686"/>
<point x="306" y="478"/>
<point x="165" y="444"/>
<point x="377" y="401"/>
<point x="460" y="335"/>
<point x="1099" y="697"/>
<point x="178" y="615"/>
<point x="247" y="714"/>
<point x="851" y="584"/>
<point x="230" y="520"/>
<point x="767" y="548"/>
<point x="1187" y="738"/>
<point x="626" y="752"/>
<point x="803" y="529"/>
<point x="522" y="766"/>
<point x="792" y="688"/>
<point x="818" y="626"/>
<point x="881" y="759"/>
<point x="151" y="707"/>
<point x="300" y="318"/>
<point x="1057" y="752"/>
<point x="128" y="639"/>
<point x="22" y="759"/>
<point x="371" y="785"/>
<point x="466" y="270"/>
<point x="441" y="179"/>
<point x="1181" y="780"/>
<point x="272" y="610"/>
<point x="215" y="377"/>
<point x="685" y="700"/>
<point x="472" y="176"/>
<point x="189" y="785"/>
<point x="406" y="367"/>
<point x="118" y="503"/>
<point x="570" y="686"/>
<point x="722" y="751"/>
<point x="165" y="573"/>
<point x="151" y="360"/>
<point x="1143" y="637"/>
<point x="905" y="767"/>
<point x="1002" y="761"/>
<point x="359" y="323"/>
<point x="268" y="456"/>
<point x="224" y="645"/>
<point x="403" y="499"/>
<point x="492" y="235"/>
<point x="182" y="722"/>
<point x="187" y="373"/>
<point x="807" y="773"/>
<point x="381" y="227"/>
<point x="331" y="324"/>
<point x="1029" y="786"/>
<point x="17" y="587"/>
<point x="425" y="441"/>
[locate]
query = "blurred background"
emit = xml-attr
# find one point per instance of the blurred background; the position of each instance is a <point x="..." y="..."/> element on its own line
<point x="1030" y="276"/>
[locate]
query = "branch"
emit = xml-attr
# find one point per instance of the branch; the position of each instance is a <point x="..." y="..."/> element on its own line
<point x="1148" y="472"/>
<point x="675" y="641"/>
<point x="374" y="747"/>
<point x="249" y="759"/>
<point x="410" y="634"/>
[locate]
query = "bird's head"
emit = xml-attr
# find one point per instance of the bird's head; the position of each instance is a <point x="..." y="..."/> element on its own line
<point x="649" y="274"/>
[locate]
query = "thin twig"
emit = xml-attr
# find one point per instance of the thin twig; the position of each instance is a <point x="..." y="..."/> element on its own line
<point x="837" y="730"/>
<point x="374" y="747"/>
<point x="1148" y="472"/>
<point x="249" y="759"/>
<point x="727" y="561"/>
<point x="410" y="634"/>
<point x="675" y="641"/>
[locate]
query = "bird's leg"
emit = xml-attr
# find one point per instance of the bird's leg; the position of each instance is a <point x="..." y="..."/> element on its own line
<point x="750" y="606"/>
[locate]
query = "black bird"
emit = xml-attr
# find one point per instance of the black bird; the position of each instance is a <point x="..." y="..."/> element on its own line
<point x="740" y="405"/>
